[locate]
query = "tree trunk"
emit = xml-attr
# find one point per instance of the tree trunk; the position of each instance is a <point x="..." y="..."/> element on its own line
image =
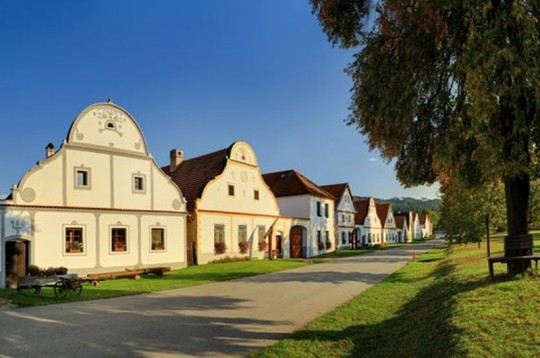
<point x="518" y="242"/>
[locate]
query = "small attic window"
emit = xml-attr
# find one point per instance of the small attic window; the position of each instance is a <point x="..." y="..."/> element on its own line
<point x="110" y="125"/>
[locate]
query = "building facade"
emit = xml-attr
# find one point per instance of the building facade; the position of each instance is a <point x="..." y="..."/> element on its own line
<point x="310" y="209"/>
<point x="368" y="225"/>
<point x="100" y="203"/>
<point x="344" y="214"/>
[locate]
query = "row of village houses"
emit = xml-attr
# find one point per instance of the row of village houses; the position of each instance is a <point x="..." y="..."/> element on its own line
<point x="101" y="203"/>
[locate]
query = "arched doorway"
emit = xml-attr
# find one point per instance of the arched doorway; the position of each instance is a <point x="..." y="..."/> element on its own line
<point x="16" y="261"/>
<point x="296" y="240"/>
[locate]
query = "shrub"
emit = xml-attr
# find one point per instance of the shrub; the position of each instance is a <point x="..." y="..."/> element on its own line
<point x="320" y="245"/>
<point x="226" y="259"/>
<point x="328" y="245"/>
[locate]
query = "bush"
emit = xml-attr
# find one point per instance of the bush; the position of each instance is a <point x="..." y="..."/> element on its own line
<point x="226" y="259"/>
<point x="320" y="245"/>
<point x="328" y="245"/>
<point x="220" y="247"/>
<point x="263" y="246"/>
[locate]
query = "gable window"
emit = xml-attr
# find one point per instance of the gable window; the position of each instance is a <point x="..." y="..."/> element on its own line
<point x="74" y="240"/>
<point x="231" y="190"/>
<point x="262" y="232"/>
<point x="256" y="194"/>
<point x="158" y="238"/>
<point x="318" y="208"/>
<point x="82" y="178"/>
<point x="139" y="185"/>
<point x="326" y="210"/>
<point x="119" y="239"/>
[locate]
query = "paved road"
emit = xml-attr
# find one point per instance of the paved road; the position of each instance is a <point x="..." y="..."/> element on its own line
<point x="224" y="319"/>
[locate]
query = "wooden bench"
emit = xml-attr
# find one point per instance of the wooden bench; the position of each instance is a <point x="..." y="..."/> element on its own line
<point x="520" y="259"/>
<point x="128" y="273"/>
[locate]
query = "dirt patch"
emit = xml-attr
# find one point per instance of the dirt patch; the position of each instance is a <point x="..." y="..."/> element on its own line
<point x="5" y="304"/>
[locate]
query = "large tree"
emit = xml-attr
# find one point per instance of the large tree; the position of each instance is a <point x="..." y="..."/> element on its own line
<point x="447" y="87"/>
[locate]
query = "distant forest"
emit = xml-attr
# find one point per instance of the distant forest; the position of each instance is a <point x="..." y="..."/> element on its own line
<point x="409" y="204"/>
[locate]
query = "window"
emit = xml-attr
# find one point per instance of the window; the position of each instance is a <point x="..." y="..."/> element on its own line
<point x="119" y="239"/>
<point x="326" y="209"/>
<point x="242" y="233"/>
<point x="74" y="240"/>
<point x="256" y="194"/>
<point x="158" y="238"/>
<point x="82" y="178"/>
<point x="231" y="190"/>
<point x="319" y="237"/>
<point x="219" y="234"/>
<point x="262" y="233"/>
<point x="138" y="183"/>
<point x="327" y="236"/>
<point x="343" y="238"/>
<point x="318" y="208"/>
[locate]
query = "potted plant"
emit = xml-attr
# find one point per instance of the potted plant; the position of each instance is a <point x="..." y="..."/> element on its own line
<point x="328" y="245"/>
<point x="219" y="248"/>
<point x="119" y="247"/>
<point x="263" y="245"/>
<point x="75" y="247"/>
<point x="243" y="246"/>
<point x="320" y="245"/>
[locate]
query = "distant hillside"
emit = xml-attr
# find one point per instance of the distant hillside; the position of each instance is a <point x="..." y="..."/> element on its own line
<point x="410" y="204"/>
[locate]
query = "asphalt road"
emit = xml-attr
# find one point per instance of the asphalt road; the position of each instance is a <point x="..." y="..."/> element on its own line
<point x="228" y="319"/>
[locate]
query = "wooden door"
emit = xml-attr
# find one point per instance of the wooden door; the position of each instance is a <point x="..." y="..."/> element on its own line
<point x="16" y="262"/>
<point x="296" y="242"/>
<point x="278" y="246"/>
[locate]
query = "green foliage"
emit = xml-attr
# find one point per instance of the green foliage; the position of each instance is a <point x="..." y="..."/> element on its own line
<point x="447" y="88"/>
<point x="464" y="210"/>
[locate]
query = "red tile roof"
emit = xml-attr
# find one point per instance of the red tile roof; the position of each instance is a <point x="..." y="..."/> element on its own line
<point x="336" y="190"/>
<point x="382" y="212"/>
<point x="290" y="182"/>
<point x="193" y="174"/>
<point x="422" y="219"/>
<point x="400" y="220"/>
<point x="361" y="207"/>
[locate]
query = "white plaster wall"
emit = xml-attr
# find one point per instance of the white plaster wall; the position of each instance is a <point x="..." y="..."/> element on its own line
<point x="206" y="243"/>
<point x="99" y="192"/>
<point x="45" y="180"/>
<point x="124" y="195"/>
<point x="167" y="195"/>
<point x="295" y="206"/>
<point x="48" y="247"/>
<point x="175" y="241"/>
<point x="246" y="179"/>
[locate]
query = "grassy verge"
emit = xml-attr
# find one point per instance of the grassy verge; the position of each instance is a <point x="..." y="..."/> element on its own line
<point x="442" y="305"/>
<point x="191" y="276"/>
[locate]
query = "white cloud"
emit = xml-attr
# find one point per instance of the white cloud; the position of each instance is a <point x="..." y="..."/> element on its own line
<point x="372" y="160"/>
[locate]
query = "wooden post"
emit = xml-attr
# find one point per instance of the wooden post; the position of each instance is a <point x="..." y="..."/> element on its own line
<point x="487" y="236"/>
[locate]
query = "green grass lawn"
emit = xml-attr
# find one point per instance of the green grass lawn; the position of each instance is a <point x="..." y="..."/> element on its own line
<point x="191" y="276"/>
<point x="442" y="305"/>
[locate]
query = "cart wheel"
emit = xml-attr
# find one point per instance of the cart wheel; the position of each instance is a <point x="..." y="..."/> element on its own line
<point x="60" y="290"/>
<point x="76" y="291"/>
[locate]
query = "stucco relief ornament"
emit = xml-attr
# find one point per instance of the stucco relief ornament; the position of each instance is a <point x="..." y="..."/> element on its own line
<point x="28" y="195"/>
<point x="111" y="120"/>
<point x="176" y="204"/>
<point x="244" y="176"/>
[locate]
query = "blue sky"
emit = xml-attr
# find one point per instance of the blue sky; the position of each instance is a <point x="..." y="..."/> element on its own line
<point x="196" y="75"/>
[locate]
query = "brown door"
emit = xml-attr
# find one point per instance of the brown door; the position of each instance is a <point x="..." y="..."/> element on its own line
<point x="278" y="246"/>
<point x="296" y="242"/>
<point x="16" y="262"/>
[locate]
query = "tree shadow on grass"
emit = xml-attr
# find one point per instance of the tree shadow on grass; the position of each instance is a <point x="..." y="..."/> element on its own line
<point x="421" y="328"/>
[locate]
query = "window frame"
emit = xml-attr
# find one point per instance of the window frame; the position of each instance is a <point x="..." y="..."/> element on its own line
<point x="261" y="233"/>
<point x="134" y="188"/>
<point x="112" y="239"/>
<point x="222" y="231"/>
<point x="319" y="209"/>
<point x="326" y="210"/>
<point x="87" y="175"/>
<point x="230" y="190"/>
<point x="163" y="238"/>
<point x="256" y="194"/>
<point x="73" y="250"/>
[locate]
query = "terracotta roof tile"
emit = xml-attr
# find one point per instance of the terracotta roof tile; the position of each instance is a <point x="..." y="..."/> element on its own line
<point x="291" y="182"/>
<point x="361" y="207"/>
<point x="193" y="174"/>
<point x="400" y="220"/>
<point x="382" y="212"/>
<point x="336" y="190"/>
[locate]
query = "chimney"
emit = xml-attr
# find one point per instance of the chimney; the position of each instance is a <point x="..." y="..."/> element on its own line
<point x="177" y="157"/>
<point x="49" y="150"/>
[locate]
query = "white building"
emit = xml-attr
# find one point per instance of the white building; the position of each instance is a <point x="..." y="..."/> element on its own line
<point x="425" y="227"/>
<point x="344" y="213"/>
<point x="368" y="225"/>
<point x="402" y="229"/>
<point x="311" y="210"/>
<point x="232" y="210"/>
<point x="388" y="223"/>
<point x="100" y="203"/>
